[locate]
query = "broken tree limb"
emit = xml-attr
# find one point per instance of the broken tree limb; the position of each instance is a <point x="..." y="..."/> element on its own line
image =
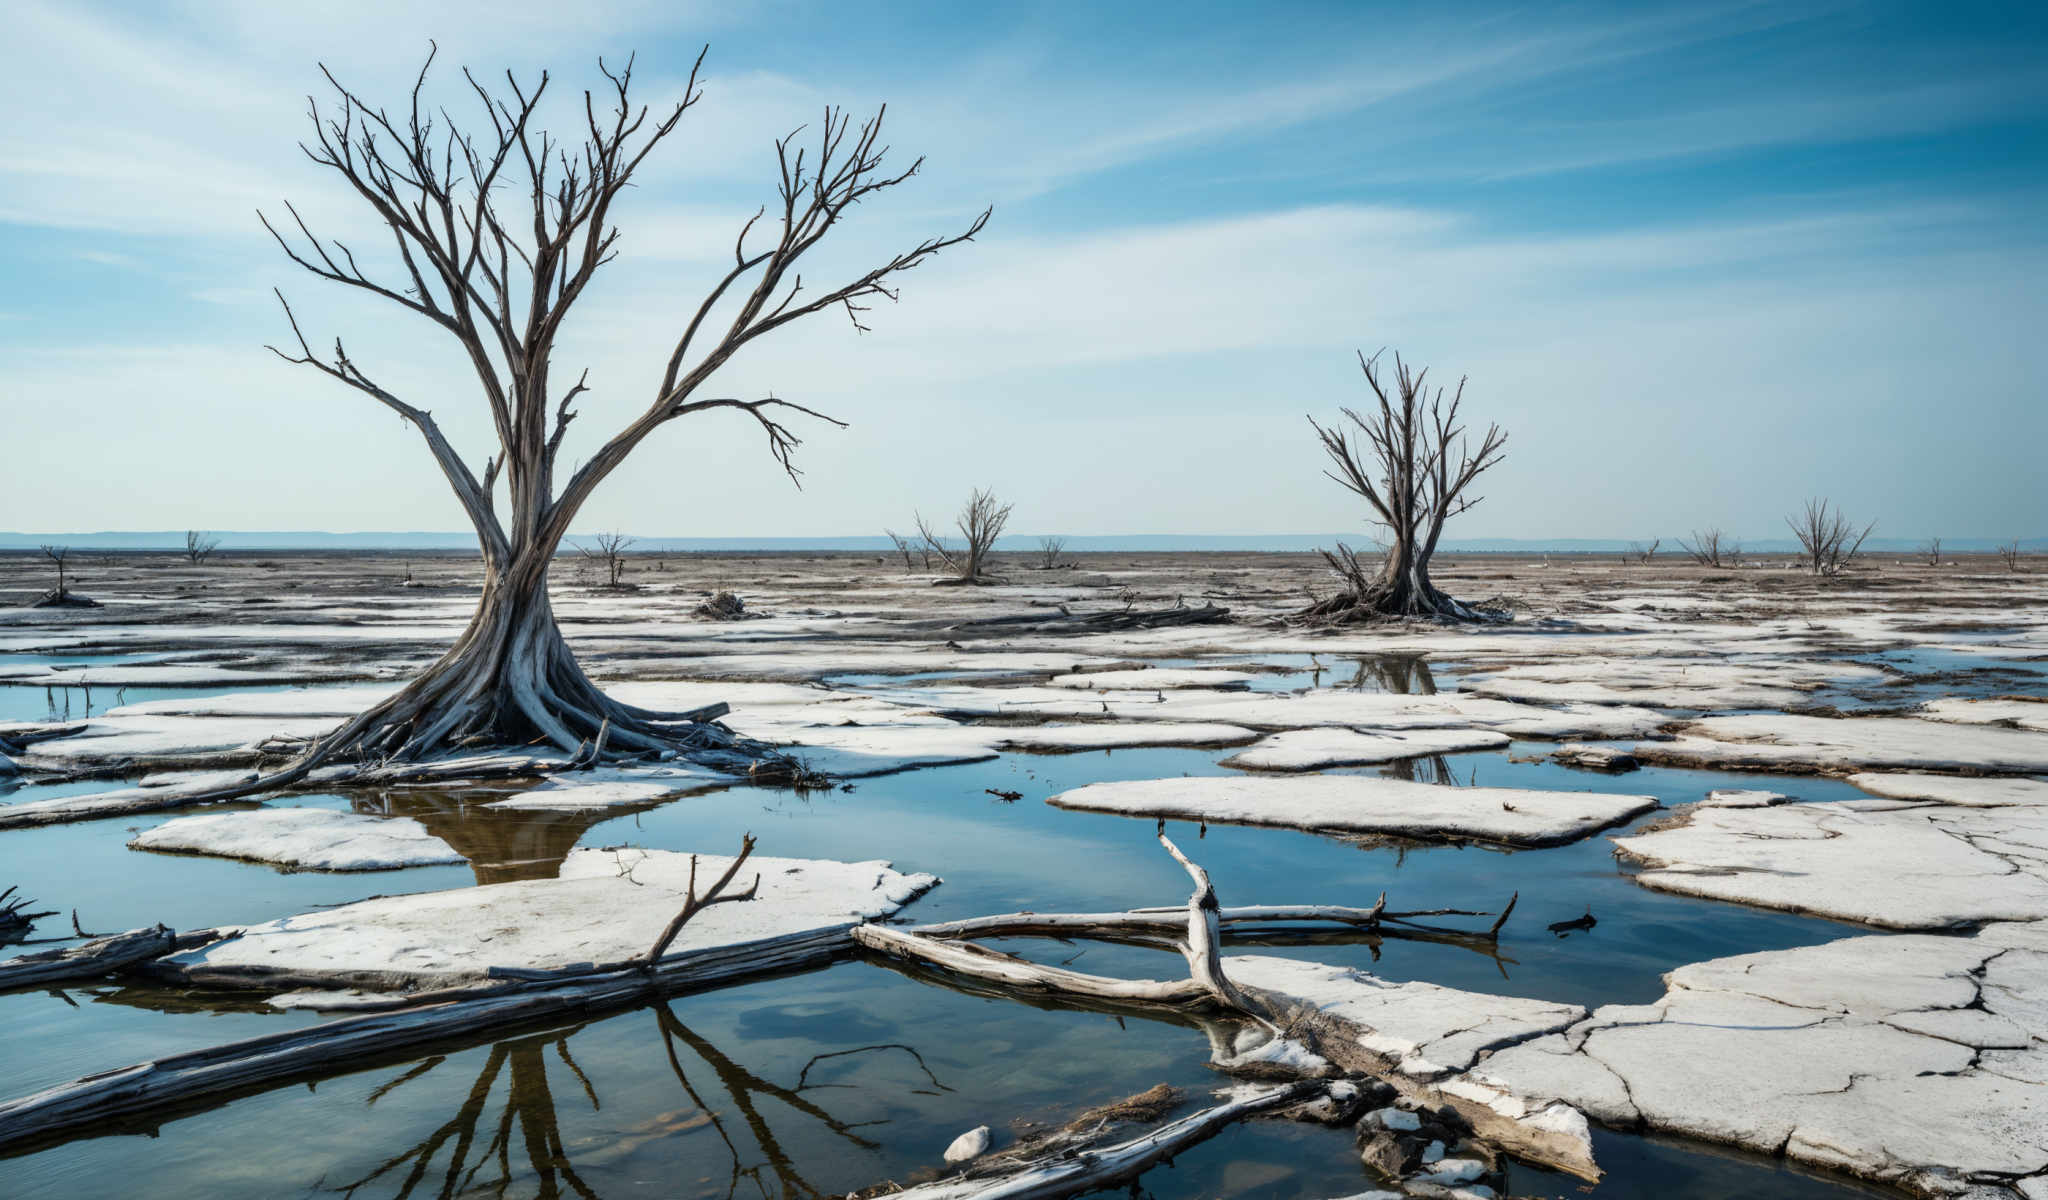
<point x="979" y="962"/>
<point x="100" y="957"/>
<point x="1204" y="946"/>
<point x="692" y="905"/>
<point x="1070" y="1173"/>
<point x="1105" y="622"/>
<point x="94" y="1102"/>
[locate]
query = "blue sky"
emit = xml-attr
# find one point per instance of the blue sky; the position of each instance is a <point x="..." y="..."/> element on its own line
<point x="1701" y="261"/>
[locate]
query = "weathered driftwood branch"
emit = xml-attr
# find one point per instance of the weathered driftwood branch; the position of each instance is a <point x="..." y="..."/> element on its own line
<point x="100" y="957"/>
<point x="349" y="1043"/>
<point x="692" y="904"/>
<point x="1105" y="622"/>
<point x="1065" y="1172"/>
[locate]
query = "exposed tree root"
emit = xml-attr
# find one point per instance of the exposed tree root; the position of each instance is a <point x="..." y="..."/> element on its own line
<point x="1391" y="594"/>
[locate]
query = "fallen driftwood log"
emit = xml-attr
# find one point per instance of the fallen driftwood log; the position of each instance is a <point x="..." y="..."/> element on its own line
<point x="1292" y="1032"/>
<point x="256" y="1064"/>
<point x="1066" y="1170"/>
<point x="1104" y="622"/>
<point x="101" y="956"/>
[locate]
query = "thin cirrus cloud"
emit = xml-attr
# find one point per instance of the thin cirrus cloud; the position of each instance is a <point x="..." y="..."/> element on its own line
<point x="1667" y="244"/>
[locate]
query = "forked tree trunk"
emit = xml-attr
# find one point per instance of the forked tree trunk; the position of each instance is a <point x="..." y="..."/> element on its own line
<point x="511" y="679"/>
<point x="1410" y="462"/>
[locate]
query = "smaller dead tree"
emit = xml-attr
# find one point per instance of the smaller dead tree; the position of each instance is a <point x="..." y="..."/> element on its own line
<point x="2010" y="554"/>
<point x="1827" y="538"/>
<point x="1410" y="461"/>
<point x="904" y="547"/>
<point x="1710" y="548"/>
<point x="199" y="545"/>
<point x="1643" y="552"/>
<point x="61" y="596"/>
<point x="980" y="523"/>
<point x="1933" y="551"/>
<point x="1049" y="549"/>
<point x="610" y="550"/>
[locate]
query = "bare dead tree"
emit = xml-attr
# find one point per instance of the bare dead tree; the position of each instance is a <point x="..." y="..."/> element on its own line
<point x="903" y="547"/>
<point x="2008" y="553"/>
<point x="1933" y="551"/>
<point x="1643" y="552"/>
<point x="498" y="228"/>
<point x="609" y="549"/>
<point x="1049" y="549"/>
<point x="58" y="555"/>
<point x="980" y="523"/>
<point x="1708" y="547"/>
<point x="1827" y="538"/>
<point x="199" y="545"/>
<point x="1410" y="461"/>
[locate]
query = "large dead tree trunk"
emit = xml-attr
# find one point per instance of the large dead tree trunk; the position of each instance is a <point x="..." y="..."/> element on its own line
<point x="1420" y="465"/>
<point x="500" y="281"/>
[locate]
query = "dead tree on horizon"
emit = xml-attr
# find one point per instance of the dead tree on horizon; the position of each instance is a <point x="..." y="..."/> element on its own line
<point x="1643" y="552"/>
<point x="1933" y="552"/>
<point x="1411" y="463"/>
<point x="498" y="229"/>
<point x="199" y="546"/>
<point x="903" y="547"/>
<point x="1708" y="546"/>
<point x="610" y="550"/>
<point x="2010" y="554"/>
<point x="58" y="555"/>
<point x="1827" y="539"/>
<point x="1049" y="549"/>
<point x="980" y="523"/>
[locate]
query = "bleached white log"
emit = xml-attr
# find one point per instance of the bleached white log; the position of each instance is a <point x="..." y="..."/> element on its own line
<point x="1108" y="1166"/>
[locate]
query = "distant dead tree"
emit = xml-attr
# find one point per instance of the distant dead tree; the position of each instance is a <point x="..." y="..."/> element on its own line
<point x="1643" y="552"/>
<point x="1411" y="463"/>
<point x="1709" y="547"/>
<point x="61" y="596"/>
<point x="498" y="228"/>
<point x="1933" y="551"/>
<point x="980" y="523"/>
<point x="2010" y="553"/>
<point x="903" y="547"/>
<point x="199" y="545"/>
<point x="1827" y="539"/>
<point x="1049" y="549"/>
<point x="58" y="555"/>
<point x="610" y="550"/>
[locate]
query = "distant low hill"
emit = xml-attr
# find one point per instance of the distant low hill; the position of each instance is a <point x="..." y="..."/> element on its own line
<point x="316" y="540"/>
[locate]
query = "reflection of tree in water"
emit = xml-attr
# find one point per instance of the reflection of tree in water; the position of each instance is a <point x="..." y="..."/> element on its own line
<point x="1398" y="674"/>
<point x="529" y="1105"/>
<point x="1427" y="768"/>
<point x="456" y="1159"/>
<point x="501" y="844"/>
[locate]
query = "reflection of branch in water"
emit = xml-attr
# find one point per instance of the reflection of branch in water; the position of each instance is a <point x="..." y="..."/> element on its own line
<point x="529" y="1103"/>
<point x="745" y="1087"/>
<point x="804" y="1075"/>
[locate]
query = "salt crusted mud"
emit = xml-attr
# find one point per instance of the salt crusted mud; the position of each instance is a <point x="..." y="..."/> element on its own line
<point x="1785" y="742"/>
<point x="1970" y="791"/>
<point x="607" y="906"/>
<point x="306" y="839"/>
<point x="1316" y="749"/>
<point x="1356" y="804"/>
<point x="1899" y="866"/>
<point x="1913" y="1060"/>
